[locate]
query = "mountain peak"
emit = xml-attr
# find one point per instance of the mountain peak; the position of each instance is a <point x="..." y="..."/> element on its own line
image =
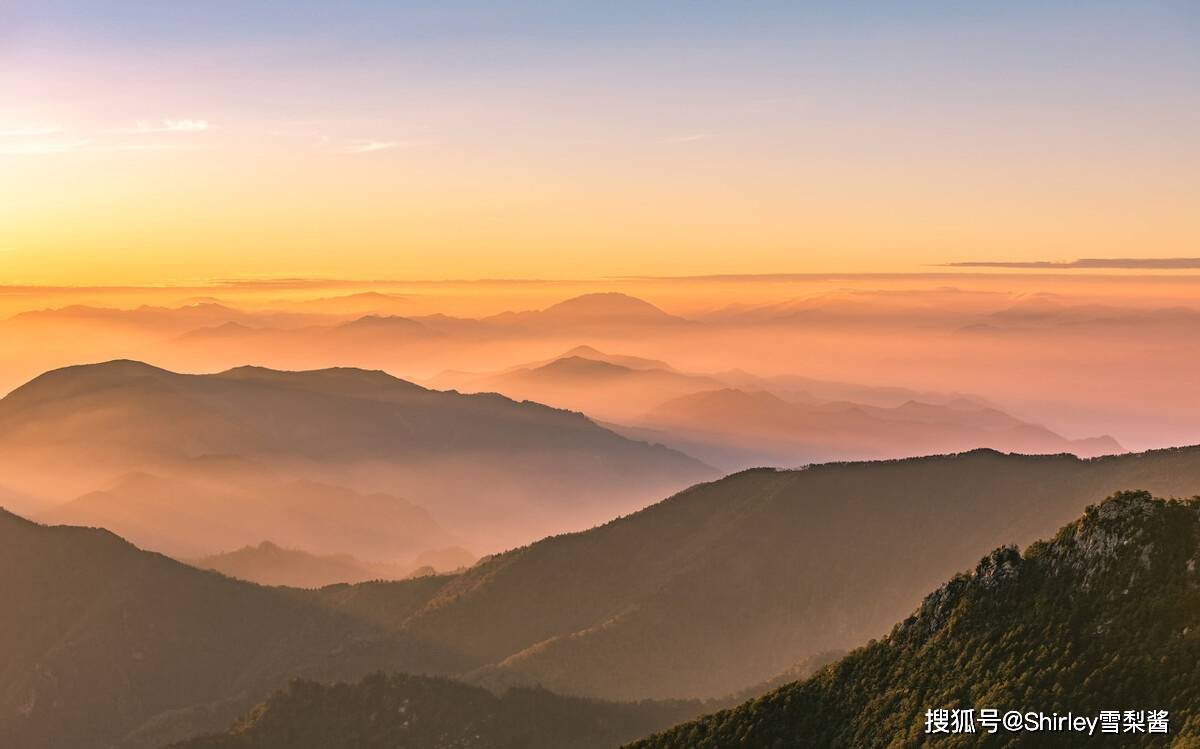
<point x="584" y="351"/>
<point x="342" y="376"/>
<point x="1100" y="615"/>
<point x="69" y="381"/>
<point x="382" y="322"/>
<point x="608" y="304"/>
<point x="1119" y="533"/>
<point x="582" y="366"/>
<point x="116" y="366"/>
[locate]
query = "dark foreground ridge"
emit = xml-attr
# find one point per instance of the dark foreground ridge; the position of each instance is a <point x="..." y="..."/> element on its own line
<point x="1103" y="617"/>
<point x="417" y="712"/>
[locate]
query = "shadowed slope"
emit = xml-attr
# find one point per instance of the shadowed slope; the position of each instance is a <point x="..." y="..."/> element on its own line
<point x="386" y="712"/>
<point x="102" y="644"/>
<point x="1102" y="617"/>
<point x="728" y="583"/>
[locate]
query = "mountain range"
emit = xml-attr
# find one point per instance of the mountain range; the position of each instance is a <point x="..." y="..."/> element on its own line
<point x="105" y="645"/>
<point x="269" y="564"/>
<point x="210" y="504"/>
<point x="1096" y="624"/>
<point x="735" y="420"/>
<point x="722" y="587"/>
<point x="1101" y="617"/>
<point x="728" y="583"/>
<point x="787" y="433"/>
<point x="491" y="471"/>
<point x="427" y="713"/>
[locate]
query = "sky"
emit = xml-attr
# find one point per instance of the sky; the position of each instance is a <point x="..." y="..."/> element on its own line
<point x="150" y="142"/>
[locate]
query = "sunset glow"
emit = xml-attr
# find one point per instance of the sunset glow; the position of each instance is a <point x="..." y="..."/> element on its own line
<point x="418" y="142"/>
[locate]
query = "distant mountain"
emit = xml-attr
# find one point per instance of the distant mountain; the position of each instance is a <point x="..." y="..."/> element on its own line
<point x="1102" y="617"/>
<point x="621" y="360"/>
<point x="789" y="433"/>
<point x="799" y="389"/>
<point x="780" y="421"/>
<point x="382" y="324"/>
<point x="1048" y="312"/>
<point x="590" y="314"/>
<point x="726" y="584"/>
<point x="157" y="320"/>
<point x="493" y="470"/>
<point x="336" y="338"/>
<point x="387" y="712"/>
<point x="270" y="564"/>
<point x="605" y="386"/>
<point x="387" y="340"/>
<point x="201" y="507"/>
<point x="472" y="381"/>
<point x="104" y="645"/>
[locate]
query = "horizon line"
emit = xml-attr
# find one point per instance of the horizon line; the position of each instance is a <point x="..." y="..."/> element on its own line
<point x="1062" y="269"/>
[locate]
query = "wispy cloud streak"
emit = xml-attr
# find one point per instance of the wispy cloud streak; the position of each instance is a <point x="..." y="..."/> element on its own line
<point x="167" y="126"/>
<point x="372" y="146"/>
<point x="1163" y="263"/>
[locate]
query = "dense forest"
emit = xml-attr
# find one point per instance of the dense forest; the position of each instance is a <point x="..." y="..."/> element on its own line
<point x="1103" y="617"/>
<point x="384" y="712"/>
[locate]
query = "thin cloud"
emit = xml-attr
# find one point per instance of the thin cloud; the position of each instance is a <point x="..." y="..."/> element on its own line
<point x="167" y="126"/>
<point x="371" y="146"/>
<point x="1161" y="263"/>
<point x="157" y="147"/>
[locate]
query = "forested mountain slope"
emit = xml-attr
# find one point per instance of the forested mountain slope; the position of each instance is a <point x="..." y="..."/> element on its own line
<point x="387" y="712"/>
<point x="102" y="644"/>
<point x="1102" y="617"/>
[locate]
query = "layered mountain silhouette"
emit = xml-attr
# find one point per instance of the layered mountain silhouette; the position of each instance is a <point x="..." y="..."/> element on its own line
<point x="590" y="314"/>
<point x="359" y="303"/>
<point x="269" y="564"/>
<point x="159" y="320"/>
<point x="609" y="387"/>
<point x="495" y="471"/>
<point x="717" y="589"/>
<point x="789" y="433"/>
<point x="104" y="645"/>
<point x="200" y="507"/>
<point x="767" y="421"/>
<point x="375" y="333"/>
<point x="1101" y="617"/>
<point x="800" y="389"/>
<point x="385" y="712"/>
<point x="727" y="584"/>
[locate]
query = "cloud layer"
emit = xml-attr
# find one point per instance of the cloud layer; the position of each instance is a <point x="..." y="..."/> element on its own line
<point x="1160" y="263"/>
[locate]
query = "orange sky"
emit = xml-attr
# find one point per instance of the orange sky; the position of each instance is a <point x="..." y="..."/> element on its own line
<point x="165" y="144"/>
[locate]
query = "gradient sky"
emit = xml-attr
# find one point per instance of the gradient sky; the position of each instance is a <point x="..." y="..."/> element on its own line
<point x="167" y="141"/>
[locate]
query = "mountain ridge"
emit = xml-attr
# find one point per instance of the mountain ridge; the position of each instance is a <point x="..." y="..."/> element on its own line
<point x="1094" y="619"/>
<point x="484" y="465"/>
<point x="132" y="649"/>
